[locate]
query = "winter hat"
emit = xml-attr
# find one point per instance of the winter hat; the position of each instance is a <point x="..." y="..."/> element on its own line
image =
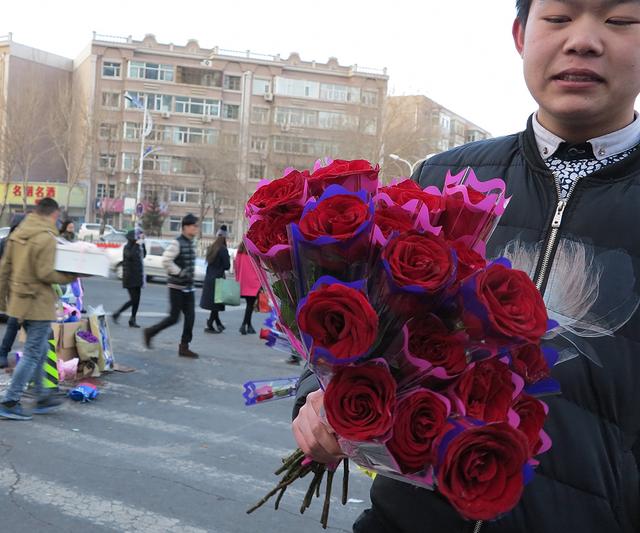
<point x="223" y="232"/>
<point x="189" y="220"/>
<point x="131" y="235"/>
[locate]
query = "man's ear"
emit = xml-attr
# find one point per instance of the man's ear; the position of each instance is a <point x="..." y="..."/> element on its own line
<point x="518" y="35"/>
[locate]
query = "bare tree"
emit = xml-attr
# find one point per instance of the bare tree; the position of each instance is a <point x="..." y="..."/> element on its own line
<point x="72" y="133"/>
<point x="7" y="160"/>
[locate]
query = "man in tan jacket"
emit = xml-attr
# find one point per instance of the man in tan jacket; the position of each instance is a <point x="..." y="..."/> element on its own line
<point x="27" y="272"/>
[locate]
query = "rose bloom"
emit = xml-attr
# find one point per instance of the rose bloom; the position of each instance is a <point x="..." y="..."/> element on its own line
<point x="271" y="230"/>
<point x="285" y="191"/>
<point x="408" y="190"/>
<point x="532" y="417"/>
<point x="514" y="306"/>
<point x="529" y="363"/>
<point x="469" y="261"/>
<point x="339" y="319"/>
<point x="420" y="418"/>
<point x="460" y="219"/>
<point x="360" y="402"/>
<point x="339" y="217"/>
<point x="392" y="218"/>
<point x="481" y="472"/>
<point x="486" y="390"/>
<point x="338" y="172"/>
<point x="431" y="340"/>
<point x="420" y="259"/>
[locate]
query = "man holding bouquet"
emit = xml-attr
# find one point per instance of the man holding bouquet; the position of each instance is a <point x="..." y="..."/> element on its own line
<point x="574" y="179"/>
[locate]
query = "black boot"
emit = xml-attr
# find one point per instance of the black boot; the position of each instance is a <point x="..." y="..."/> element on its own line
<point x="133" y="323"/>
<point x="243" y="329"/>
<point x="115" y="317"/>
<point x="184" y="351"/>
<point x="220" y="325"/>
<point x="250" y="329"/>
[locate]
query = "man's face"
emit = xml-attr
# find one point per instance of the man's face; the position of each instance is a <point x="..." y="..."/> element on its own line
<point x="582" y="63"/>
<point x="190" y="231"/>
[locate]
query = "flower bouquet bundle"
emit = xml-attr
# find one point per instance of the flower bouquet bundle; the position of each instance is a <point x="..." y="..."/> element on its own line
<point x="429" y="355"/>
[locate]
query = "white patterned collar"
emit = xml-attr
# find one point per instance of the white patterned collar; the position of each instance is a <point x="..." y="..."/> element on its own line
<point x="603" y="147"/>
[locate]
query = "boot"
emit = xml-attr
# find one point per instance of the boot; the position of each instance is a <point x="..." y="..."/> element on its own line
<point x="210" y="329"/>
<point x="133" y="323"/>
<point x="183" y="351"/>
<point x="250" y="329"/>
<point x="147" y="336"/>
<point x="243" y="329"/>
<point x="115" y="317"/>
<point x="221" y="327"/>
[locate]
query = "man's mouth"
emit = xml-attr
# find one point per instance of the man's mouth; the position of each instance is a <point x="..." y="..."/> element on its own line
<point x="579" y="76"/>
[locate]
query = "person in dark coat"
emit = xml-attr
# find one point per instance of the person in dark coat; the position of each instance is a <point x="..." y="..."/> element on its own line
<point x="67" y="230"/>
<point x="217" y="263"/>
<point x="133" y="256"/>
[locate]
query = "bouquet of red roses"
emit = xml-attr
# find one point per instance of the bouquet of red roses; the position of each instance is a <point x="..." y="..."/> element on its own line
<point x="429" y="355"/>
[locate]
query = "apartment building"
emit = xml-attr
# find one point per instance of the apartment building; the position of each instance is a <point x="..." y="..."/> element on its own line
<point x="31" y="167"/>
<point x="416" y="126"/>
<point x="222" y="121"/>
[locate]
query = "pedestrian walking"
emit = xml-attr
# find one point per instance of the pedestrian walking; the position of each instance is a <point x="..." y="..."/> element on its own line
<point x="133" y="255"/>
<point x="247" y="277"/>
<point x="68" y="230"/>
<point x="27" y="273"/>
<point x="217" y="263"/>
<point x="179" y="260"/>
<point x="13" y="326"/>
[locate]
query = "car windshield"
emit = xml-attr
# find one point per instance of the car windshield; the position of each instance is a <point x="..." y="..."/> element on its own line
<point x="114" y="237"/>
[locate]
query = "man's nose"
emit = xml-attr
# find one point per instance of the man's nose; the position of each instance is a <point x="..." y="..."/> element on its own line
<point x="585" y="38"/>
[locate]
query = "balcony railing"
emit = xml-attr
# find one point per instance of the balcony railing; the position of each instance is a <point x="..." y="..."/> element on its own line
<point x="112" y="38"/>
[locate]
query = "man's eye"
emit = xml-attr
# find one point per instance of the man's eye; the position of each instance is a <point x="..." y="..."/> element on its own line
<point x="557" y="19"/>
<point x="622" y="22"/>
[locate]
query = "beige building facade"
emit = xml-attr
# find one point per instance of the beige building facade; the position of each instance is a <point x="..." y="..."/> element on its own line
<point x="222" y="121"/>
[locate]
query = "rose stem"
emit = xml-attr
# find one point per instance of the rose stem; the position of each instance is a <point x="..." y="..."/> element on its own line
<point x="319" y="483"/>
<point x="284" y="483"/>
<point x="327" y="500"/>
<point x="306" y="502"/>
<point x="288" y="461"/>
<point x="345" y="481"/>
<point x="280" y="497"/>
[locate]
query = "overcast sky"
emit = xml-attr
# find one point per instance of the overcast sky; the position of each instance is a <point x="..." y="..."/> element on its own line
<point x="457" y="52"/>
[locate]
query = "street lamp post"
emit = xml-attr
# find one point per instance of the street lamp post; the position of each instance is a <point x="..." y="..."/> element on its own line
<point x="410" y="165"/>
<point x="145" y="130"/>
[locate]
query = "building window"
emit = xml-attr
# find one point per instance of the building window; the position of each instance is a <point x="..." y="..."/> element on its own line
<point x="445" y="122"/>
<point x="231" y="111"/>
<point x="154" y="102"/>
<point x="175" y="224"/>
<point x="336" y="121"/>
<point x="339" y="93"/>
<point x="199" y="76"/>
<point x="157" y="163"/>
<point x="207" y="226"/>
<point x="129" y="162"/>
<point x="150" y="71"/>
<point x="185" y="195"/>
<point x="232" y="83"/>
<point x="259" y="144"/>
<point x="107" y="161"/>
<point x="106" y="191"/>
<point x="297" y="88"/>
<point x="111" y="69"/>
<point x="369" y="126"/>
<point x="261" y="86"/>
<point x="370" y="97"/>
<point x="256" y="171"/>
<point x="259" y="115"/>
<point x="296" y="117"/>
<point x="111" y="100"/>
<point x="197" y="106"/>
<point x="131" y="131"/>
<point x="230" y="140"/>
<point x="187" y="135"/>
<point x="108" y="131"/>
<point x="304" y="146"/>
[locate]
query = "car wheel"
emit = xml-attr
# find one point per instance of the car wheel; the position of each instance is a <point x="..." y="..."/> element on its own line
<point x="119" y="271"/>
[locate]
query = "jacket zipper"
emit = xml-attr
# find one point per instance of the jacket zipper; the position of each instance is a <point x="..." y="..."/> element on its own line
<point x="478" y="526"/>
<point x="545" y="259"/>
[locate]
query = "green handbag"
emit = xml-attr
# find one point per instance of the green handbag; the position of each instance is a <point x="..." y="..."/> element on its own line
<point x="227" y="292"/>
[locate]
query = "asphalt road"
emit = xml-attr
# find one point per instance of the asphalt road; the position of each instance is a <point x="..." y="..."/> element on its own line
<point x="168" y="448"/>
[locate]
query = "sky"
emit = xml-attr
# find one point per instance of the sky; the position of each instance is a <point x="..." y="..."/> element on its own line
<point x="457" y="52"/>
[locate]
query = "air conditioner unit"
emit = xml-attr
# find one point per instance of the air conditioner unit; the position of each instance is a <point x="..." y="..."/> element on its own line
<point x="206" y="118"/>
<point x="206" y="62"/>
<point x="268" y="97"/>
<point x="166" y="114"/>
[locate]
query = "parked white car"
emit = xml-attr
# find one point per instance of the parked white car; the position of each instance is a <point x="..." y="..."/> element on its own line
<point x="153" y="268"/>
<point x="91" y="231"/>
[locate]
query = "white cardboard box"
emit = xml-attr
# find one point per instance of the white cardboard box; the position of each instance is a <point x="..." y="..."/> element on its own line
<point x="81" y="258"/>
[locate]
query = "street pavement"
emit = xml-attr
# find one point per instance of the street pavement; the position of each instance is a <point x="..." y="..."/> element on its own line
<point x="168" y="448"/>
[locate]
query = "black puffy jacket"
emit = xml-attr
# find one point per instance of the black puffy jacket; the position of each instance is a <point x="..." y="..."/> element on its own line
<point x="133" y="255"/>
<point x="588" y="482"/>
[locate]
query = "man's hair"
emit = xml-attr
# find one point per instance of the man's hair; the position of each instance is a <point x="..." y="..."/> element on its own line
<point x="47" y="206"/>
<point x="522" y="10"/>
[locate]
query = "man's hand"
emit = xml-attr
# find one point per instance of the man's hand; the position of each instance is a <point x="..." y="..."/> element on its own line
<point x="314" y="437"/>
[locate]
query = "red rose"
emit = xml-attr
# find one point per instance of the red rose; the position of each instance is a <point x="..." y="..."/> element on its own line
<point x="469" y="261"/>
<point x="338" y="172"/>
<point x="529" y="363"/>
<point x="513" y="304"/>
<point x="481" y="473"/>
<point x="339" y="319"/>
<point x="420" y="418"/>
<point x="430" y="339"/>
<point x="486" y="390"/>
<point x="408" y="190"/>
<point x="460" y="219"/>
<point x="420" y="259"/>
<point x="532" y="416"/>
<point x="392" y="218"/>
<point x="270" y="231"/>
<point x="360" y="401"/>
<point x="339" y="217"/>
<point x="286" y="191"/>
